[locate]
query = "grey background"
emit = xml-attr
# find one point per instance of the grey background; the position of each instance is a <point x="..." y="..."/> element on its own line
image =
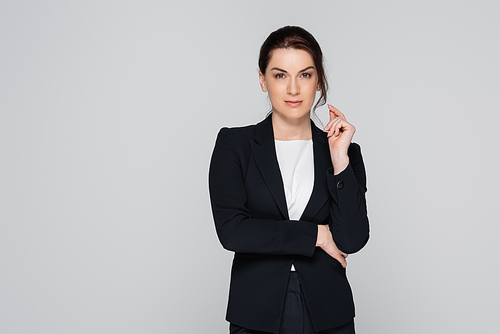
<point x="109" y="112"/>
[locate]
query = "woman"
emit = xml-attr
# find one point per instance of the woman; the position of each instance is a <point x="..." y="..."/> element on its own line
<point x="289" y="200"/>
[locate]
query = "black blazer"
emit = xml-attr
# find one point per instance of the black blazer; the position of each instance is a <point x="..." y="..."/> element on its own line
<point x="251" y="219"/>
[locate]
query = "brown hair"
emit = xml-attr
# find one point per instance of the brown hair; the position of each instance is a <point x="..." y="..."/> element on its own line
<point x="291" y="37"/>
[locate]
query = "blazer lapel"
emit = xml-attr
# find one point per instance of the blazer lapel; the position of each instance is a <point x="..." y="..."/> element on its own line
<point x="322" y="162"/>
<point x="264" y="151"/>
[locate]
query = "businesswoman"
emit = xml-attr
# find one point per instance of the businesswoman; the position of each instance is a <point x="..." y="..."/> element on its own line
<point x="289" y="200"/>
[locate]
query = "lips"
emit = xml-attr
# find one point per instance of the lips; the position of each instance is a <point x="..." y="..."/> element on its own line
<point x="293" y="103"/>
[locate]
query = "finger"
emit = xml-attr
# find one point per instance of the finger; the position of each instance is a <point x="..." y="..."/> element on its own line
<point x="336" y="112"/>
<point x="332" y="114"/>
<point x="341" y="126"/>
<point x="332" y="118"/>
<point x="337" y="127"/>
<point x="333" y="127"/>
<point x="330" y="124"/>
<point x="343" y="262"/>
<point x="338" y="256"/>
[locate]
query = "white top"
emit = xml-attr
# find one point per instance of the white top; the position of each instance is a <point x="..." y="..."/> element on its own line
<point x="296" y="162"/>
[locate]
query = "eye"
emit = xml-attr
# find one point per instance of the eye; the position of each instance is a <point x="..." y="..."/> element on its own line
<point x="306" y="75"/>
<point x="280" y="76"/>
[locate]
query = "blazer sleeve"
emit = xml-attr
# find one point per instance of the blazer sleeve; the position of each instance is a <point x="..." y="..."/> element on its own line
<point x="349" y="224"/>
<point x="237" y="230"/>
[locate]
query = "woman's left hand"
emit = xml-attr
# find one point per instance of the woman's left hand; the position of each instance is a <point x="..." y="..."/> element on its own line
<point x="340" y="133"/>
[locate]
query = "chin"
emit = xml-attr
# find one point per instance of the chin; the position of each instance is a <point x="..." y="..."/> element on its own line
<point x="297" y="113"/>
<point x="294" y="115"/>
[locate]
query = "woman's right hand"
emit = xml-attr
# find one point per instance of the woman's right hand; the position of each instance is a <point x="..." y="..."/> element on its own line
<point x="325" y="241"/>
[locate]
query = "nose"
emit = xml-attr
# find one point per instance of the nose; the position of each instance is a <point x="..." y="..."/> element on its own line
<point x="293" y="87"/>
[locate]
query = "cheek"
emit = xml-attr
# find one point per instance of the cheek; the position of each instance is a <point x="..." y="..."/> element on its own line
<point x="311" y="88"/>
<point x="274" y="90"/>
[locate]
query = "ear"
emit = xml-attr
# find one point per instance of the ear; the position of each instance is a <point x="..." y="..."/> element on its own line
<point x="318" y="88"/>
<point x="262" y="81"/>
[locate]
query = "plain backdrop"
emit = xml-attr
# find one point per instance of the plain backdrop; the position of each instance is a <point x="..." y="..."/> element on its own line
<point x="109" y="113"/>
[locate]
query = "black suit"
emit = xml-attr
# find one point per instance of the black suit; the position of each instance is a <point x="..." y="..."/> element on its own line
<point x="251" y="219"/>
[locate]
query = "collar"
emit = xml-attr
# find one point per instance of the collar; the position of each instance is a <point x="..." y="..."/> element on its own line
<point x="264" y="132"/>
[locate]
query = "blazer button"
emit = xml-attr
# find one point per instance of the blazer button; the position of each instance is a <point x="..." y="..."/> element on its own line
<point x="340" y="185"/>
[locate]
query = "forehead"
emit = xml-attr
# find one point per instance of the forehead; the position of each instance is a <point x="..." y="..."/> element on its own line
<point x="290" y="59"/>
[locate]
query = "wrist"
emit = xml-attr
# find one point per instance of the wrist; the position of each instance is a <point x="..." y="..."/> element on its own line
<point x="339" y="154"/>
<point x="340" y="161"/>
<point x="322" y="236"/>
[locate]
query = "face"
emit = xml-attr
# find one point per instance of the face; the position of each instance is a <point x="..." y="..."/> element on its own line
<point x="291" y="81"/>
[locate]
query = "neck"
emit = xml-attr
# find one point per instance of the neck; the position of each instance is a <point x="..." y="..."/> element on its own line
<point x="291" y="129"/>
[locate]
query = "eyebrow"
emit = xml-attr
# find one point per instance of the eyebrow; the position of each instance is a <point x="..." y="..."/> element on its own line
<point x="279" y="69"/>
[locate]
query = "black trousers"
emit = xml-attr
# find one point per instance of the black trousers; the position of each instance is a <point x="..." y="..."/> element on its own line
<point x="295" y="318"/>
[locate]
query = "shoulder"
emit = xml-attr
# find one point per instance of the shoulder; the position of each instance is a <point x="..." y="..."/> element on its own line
<point x="236" y="135"/>
<point x="354" y="151"/>
<point x="355" y="157"/>
<point x="354" y="148"/>
<point x="237" y="131"/>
